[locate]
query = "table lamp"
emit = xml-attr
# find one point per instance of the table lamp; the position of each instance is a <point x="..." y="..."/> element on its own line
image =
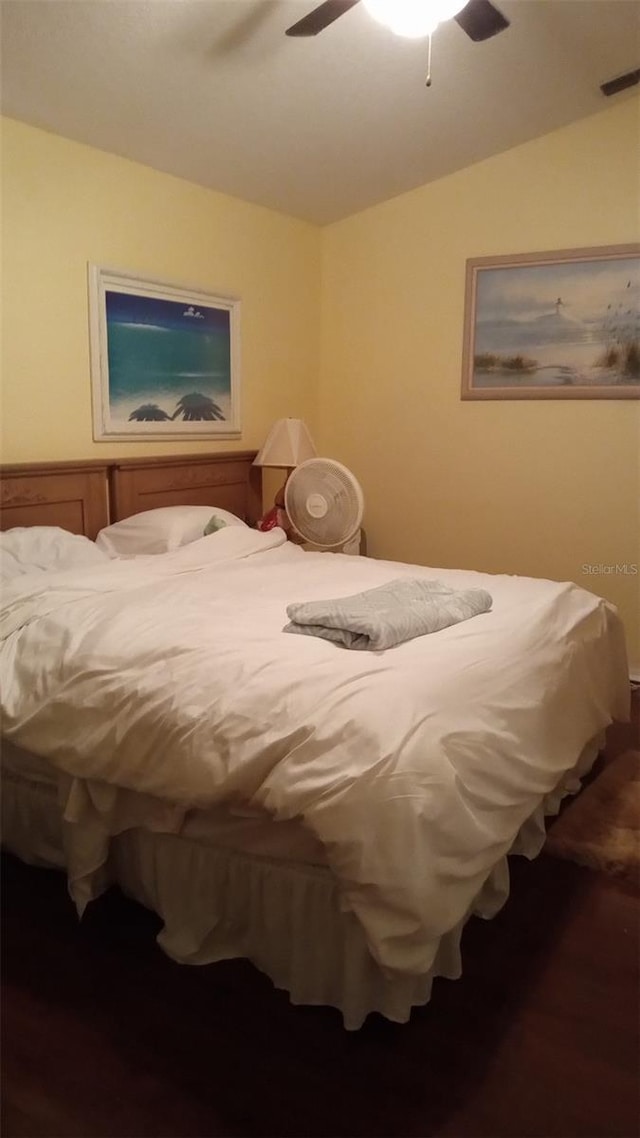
<point x="286" y="446"/>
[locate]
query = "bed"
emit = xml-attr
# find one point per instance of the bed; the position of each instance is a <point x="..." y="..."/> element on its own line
<point x="333" y="816"/>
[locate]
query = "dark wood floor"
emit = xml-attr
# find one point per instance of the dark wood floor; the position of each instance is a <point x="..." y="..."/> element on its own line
<point x="104" y="1036"/>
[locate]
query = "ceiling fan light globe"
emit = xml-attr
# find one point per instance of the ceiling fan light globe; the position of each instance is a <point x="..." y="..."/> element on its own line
<point x="412" y="18"/>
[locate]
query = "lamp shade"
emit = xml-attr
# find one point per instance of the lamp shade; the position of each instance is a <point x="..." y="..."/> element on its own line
<point x="287" y="444"/>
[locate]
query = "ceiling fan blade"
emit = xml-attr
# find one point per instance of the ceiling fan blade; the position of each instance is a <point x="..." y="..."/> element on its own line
<point x="320" y="18"/>
<point x="480" y="20"/>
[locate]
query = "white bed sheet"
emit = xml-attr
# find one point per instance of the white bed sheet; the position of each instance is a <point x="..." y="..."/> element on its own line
<point x="100" y="809"/>
<point x="415" y="768"/>
<point x="219" y="903"/>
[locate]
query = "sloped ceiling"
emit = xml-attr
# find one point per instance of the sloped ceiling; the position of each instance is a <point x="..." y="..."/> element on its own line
<point x="213" y="90"/>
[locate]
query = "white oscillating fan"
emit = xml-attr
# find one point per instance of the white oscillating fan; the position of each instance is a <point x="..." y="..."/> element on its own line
<point x="324" y="502"/>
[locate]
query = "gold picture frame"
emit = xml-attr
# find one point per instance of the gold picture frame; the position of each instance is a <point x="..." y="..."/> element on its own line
<point x="553" y="325"/>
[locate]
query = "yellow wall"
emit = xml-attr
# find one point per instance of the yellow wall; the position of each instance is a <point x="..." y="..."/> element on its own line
<point x="530" y="487"/>
<point x="65" y="205"/>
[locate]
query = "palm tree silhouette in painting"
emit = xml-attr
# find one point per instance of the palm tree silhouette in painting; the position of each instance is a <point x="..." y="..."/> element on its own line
<point x="148" y="413"/>
<point x="197" y="407"/>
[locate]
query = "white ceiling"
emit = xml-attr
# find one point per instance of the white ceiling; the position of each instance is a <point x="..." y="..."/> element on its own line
<point x="213" y="90"/>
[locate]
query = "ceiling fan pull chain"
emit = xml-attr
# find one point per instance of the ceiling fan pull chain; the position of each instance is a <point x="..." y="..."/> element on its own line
<point x="428" y="80"/>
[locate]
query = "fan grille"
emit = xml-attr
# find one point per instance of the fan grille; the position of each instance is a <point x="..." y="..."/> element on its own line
<point x="324" y="502"/>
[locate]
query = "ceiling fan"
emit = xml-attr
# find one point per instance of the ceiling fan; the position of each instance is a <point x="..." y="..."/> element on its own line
<point x="478" y="18"/>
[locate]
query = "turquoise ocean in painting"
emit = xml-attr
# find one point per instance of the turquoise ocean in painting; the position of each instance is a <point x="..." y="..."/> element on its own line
<point x="161" y="351"/>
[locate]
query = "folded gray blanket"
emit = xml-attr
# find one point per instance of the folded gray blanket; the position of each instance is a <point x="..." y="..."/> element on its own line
<point x="387" y="615"/>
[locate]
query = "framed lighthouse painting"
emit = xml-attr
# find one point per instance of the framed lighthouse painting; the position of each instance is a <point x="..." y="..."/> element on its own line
<point x="558" y="325"/>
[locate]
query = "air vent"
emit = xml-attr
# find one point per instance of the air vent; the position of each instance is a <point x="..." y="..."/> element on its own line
<point x="615" y="86"/>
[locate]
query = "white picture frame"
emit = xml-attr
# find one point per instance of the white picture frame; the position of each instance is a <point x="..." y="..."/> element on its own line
<point x="165" y="360"/>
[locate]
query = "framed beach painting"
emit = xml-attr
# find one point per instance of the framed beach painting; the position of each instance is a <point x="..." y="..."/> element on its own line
<point x="558" y="325"/>
<point x="164" y="360"/>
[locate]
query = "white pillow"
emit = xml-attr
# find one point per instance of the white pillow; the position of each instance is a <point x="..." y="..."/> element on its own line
<point x="26" y="549"/>
<point x="159" y="531"/>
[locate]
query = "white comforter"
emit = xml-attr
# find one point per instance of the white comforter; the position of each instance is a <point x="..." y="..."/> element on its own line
<point x="415" y="767"/>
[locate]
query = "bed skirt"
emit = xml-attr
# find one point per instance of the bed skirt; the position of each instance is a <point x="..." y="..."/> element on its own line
<point x="219" y="903"/>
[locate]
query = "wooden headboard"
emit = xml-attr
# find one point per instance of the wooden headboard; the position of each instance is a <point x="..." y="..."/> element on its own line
<point x="72" y="495"/>
<point x="82" y="497"/>
<point x="225" y="480"/>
